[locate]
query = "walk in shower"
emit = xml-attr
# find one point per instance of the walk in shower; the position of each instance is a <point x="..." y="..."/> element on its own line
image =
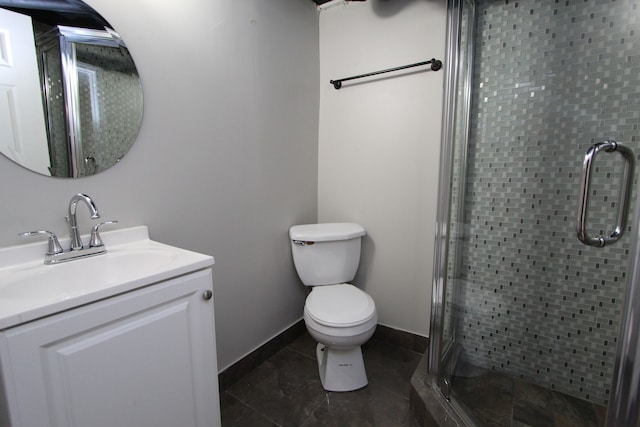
<point x="527" y="319"/>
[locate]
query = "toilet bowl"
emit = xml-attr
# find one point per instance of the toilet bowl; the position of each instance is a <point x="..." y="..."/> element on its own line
<point x="340" y="318"/>
<point x="338" y="315"/>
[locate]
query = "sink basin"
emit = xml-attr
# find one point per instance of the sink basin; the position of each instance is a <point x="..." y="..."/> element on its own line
<point x="73" y="278"/>
<point x="29" y="289"/>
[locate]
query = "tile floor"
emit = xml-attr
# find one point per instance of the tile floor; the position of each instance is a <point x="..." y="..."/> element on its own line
<point x="285" y="390"/>
<point x="499" y="400"/>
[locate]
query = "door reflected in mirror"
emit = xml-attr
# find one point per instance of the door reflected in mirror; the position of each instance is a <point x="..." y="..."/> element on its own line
<point x="70" y="95"/>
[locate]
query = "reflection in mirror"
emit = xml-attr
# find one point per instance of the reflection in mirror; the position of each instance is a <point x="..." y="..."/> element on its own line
<point x="71" y="102"/>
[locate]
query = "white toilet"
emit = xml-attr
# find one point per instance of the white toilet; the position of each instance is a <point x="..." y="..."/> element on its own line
<point x="338" y="315"/>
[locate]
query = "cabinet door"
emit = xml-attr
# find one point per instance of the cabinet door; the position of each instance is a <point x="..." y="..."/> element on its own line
<point x="142" y="359"/>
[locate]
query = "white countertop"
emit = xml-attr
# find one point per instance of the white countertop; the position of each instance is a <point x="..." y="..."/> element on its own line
<point x="30" y="290"/>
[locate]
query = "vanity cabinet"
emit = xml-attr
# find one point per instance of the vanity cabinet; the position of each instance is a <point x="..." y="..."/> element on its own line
<point x="144" y="358"/>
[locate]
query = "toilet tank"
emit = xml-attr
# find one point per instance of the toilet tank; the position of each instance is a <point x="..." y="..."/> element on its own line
<point x="326" y="254"/>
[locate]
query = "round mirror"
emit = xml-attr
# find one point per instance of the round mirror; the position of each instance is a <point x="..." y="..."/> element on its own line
<point x="70" y="94"/>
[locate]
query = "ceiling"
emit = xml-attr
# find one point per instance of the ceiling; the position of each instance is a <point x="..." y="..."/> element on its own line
<point x="62" y="5"/>
<point x="73" y="13"/>
<point x="319" y="2"/>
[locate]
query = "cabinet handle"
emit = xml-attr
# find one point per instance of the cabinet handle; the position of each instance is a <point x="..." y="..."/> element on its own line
<point x="207" y="295"/>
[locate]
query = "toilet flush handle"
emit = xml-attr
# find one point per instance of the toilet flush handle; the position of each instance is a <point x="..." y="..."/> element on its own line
<point x="302" y="243"/>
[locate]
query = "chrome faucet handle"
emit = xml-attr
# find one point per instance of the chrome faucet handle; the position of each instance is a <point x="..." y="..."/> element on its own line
<point x="54" y="244"/>
<point x="96" y="241"/>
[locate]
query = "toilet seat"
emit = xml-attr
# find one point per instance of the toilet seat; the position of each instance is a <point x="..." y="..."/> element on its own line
<point x="340" y="306"/>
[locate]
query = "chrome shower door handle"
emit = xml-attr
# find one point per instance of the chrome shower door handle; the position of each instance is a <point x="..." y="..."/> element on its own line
<point x="625" y="193"/>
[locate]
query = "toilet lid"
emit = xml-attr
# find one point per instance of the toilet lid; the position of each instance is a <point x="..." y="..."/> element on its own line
<point x="340" y="305"/>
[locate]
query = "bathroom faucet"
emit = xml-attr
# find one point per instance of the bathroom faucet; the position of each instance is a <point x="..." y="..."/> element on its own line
<point x="55" y="254"/>
<point x="74" y="234"/>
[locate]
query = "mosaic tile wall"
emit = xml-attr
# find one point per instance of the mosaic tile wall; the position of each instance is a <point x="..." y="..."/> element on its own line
<point x="551" y="78"/>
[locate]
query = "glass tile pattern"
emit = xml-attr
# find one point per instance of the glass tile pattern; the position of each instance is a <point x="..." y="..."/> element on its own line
<point x="551" y="78"/>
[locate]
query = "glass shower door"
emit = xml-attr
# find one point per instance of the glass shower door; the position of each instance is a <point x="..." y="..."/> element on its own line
<point x="532" y="315"/>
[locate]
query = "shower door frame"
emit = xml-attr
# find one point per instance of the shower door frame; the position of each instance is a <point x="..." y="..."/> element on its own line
<point x="624" y="404"/>
<point x="440" y="367"/>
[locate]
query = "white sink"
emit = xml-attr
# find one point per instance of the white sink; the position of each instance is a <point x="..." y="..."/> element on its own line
<point x="75" y="278"/>
<point x="29" y="289"/>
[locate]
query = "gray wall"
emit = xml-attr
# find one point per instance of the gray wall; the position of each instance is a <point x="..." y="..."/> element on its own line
<point x="379" y="144"/>
<point x="226" y="159"/>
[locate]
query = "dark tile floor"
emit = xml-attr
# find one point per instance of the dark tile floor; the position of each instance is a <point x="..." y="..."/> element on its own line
<point x="499" y="400"/>
<point x="285" y="390"/>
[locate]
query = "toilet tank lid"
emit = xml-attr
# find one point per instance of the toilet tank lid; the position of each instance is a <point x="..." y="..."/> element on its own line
<point x="326" y="232"/>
